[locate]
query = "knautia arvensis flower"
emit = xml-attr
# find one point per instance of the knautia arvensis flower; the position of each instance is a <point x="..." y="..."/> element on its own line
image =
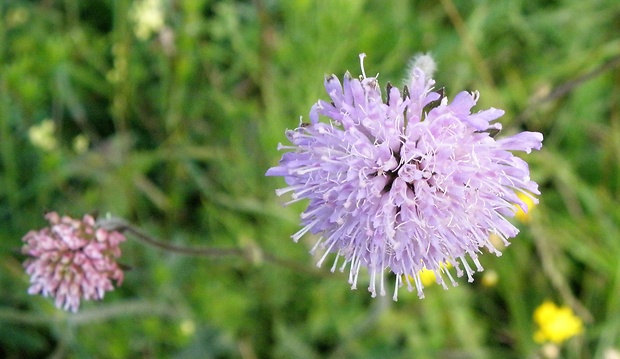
<point x="406" y="182"/>
<point x="72" y="259"/>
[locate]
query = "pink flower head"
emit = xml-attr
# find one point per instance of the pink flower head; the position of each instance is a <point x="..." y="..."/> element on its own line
<point x="408" y="183"/>
<point x="72" y="259"/>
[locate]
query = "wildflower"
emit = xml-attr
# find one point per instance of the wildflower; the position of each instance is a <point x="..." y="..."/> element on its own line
<point x="188" y="327"/>
<point x="428" y="277"/>
<point x="148" y="16"/>
<point x="42" y="135"/>
<point x="72" y="259"/>
<point x="408" y="183"/>
<point x="556" y="324"/>
<point x="497" y="241"/>
<point x="80" y="143"/>
<point x="521" y="215"/>
<point x="490" y="278"/>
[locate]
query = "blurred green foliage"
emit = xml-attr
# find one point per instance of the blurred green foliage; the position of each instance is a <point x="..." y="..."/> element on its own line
<point x="170" y="117"/>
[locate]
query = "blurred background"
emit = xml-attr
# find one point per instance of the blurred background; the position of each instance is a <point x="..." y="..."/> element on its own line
<point x="168" y="113"/>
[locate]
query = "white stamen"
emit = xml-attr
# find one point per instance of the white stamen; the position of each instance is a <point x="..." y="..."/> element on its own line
<point x="333" y="269"/>
<point x="396" y="286"/>
<point x="327" y="252"/>
<point x="362" y="55"/>
<point x="304" y="230"/>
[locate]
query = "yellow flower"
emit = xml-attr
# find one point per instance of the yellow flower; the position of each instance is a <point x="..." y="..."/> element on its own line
<point x="490" y="278"/>
<point x="497" y="241"/>
<point x="520" y="214"/>
<point x="427" y="277"/>
<point x="556" y="324"/>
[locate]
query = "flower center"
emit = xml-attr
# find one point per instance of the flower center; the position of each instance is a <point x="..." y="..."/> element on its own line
<point x="409" y="172"/>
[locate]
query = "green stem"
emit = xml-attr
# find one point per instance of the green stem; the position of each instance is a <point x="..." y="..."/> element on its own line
<point x="89" y="316"/>
<point x="252" y="253"/>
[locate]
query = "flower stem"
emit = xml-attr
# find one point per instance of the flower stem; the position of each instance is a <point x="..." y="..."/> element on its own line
<point x="252" y="253"/>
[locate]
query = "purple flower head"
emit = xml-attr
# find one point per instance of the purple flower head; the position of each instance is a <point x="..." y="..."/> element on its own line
<point x="72" y="259"/>
<point x="405" y="183"/>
